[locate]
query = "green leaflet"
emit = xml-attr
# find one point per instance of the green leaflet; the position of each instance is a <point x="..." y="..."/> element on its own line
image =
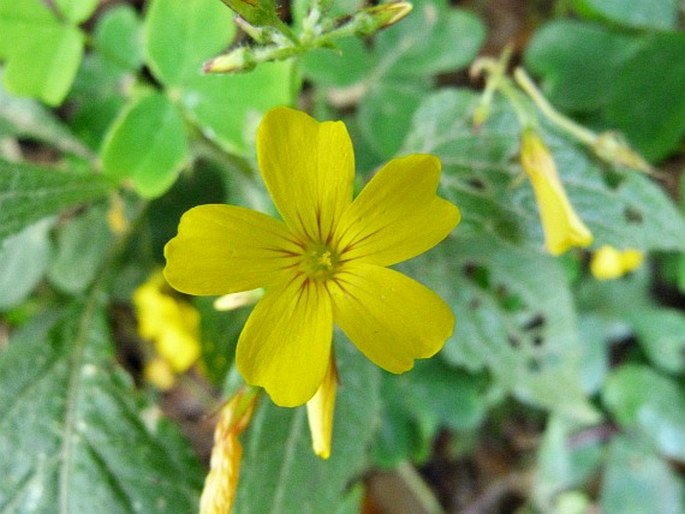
<point x="43" y="47"/>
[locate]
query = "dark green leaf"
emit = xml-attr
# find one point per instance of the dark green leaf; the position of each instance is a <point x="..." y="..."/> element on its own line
<point x="29" y="193"/>
<point x="73" y="436"/>
<point x="646" y="102"/>
<point x="576" y="61"/>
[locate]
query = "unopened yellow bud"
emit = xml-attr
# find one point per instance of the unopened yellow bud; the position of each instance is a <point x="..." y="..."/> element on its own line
<point x="608" y="263"/>
<point x="382" y="16"/>
<point x="239" y="59"/>
<point x="562" y="227"/>
<point x="320" y="410"/>
<point x="218" y="494"/>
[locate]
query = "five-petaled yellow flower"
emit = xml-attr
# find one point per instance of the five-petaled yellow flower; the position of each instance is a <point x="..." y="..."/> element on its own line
<point x="325" y="262"/>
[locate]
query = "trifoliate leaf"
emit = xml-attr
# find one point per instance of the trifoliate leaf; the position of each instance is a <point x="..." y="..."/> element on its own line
<point x="42" y="52"/>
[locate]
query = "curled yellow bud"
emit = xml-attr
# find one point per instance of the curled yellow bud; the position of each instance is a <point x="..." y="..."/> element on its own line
<point x="562" y="227"/>
<point x="390" y="13"/>
<point x="608" y="263"/>
<point x="320" y="411"/>
<point x="218" y="494"/>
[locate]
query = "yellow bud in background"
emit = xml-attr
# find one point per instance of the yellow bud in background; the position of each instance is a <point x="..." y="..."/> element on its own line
<point x="218" y="493"/>
<point x="562" y="227"/>
<point x="320" y="410"/>
<point x="116" y="215"/>
<point x="608" y="263"/>
<point x="385" y="15"/>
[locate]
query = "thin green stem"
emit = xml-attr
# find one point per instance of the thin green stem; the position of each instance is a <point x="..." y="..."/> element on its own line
<point x="579" y="132"/>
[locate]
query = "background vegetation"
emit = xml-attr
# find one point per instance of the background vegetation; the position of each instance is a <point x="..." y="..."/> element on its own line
<point x="557" y="393"/>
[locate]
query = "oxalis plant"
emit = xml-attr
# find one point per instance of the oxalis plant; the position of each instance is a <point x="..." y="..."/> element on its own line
<point x="255" y="258"/>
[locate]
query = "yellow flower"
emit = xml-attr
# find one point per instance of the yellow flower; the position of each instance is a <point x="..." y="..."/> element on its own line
<point x="171" y="324"/>
<point x="560" y="223"/>
<point x="608" y="262"/>
<point x="320" y="411"/>
<point x="325" y="261"/>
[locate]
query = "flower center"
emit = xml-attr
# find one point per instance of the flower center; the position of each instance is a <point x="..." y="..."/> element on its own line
<point x="319" y="261"/>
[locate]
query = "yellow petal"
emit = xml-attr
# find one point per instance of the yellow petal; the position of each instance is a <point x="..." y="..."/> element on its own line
<point x="562" y="226"/>
<point x="308" y="168"/>
<point x="391" y="318"/>
<point x="320" y="410"/>
<point x="286" y="343"/>
<point x="224" y="249"/>
<point x="398" y="215"/>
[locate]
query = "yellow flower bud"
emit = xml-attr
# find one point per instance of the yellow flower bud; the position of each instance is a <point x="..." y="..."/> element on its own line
<point x="608" y="263"/>
<point x="562" y="227"/>
<point x="218" y="493"/>
<point x="385" y="15"/>
<point x="320" y="411"/>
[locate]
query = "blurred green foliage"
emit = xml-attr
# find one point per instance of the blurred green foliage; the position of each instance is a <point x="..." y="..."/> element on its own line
<point x="105" y="114"/>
